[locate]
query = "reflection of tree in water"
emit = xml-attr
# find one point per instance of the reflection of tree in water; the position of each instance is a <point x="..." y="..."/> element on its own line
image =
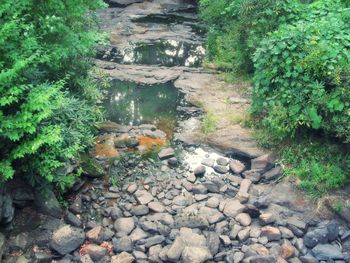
<point x="167" y="53"/>
<point x="131" y="104"/>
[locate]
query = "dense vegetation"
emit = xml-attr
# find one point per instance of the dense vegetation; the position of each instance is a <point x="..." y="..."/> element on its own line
<point x="298" y="54"/>
<point x="47" y="99"/>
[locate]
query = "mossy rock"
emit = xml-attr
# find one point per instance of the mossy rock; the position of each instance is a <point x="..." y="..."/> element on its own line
<point x="108" y="126"/>
<point x="91" y="167"/>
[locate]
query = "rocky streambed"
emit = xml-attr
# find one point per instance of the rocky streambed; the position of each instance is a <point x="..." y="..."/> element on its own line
<point x="153" y="190"/>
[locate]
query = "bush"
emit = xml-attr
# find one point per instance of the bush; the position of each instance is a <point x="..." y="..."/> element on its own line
<point x="46" y="115"/>
<point x="302" y="74"/>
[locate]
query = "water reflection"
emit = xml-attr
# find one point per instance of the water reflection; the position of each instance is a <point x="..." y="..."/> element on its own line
<point x="167" y="53"/>
<point x="131" y="104"/>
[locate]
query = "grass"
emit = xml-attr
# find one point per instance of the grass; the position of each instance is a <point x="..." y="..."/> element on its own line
<point x="320" y="164"/>
<point x="209" y="123"/>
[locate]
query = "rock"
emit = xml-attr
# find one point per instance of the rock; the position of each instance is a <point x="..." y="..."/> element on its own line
<point x="67" y="239"/>
<point x="19" y="243"/>
<point x="273" y="174"/>
<point x="312" y="238"/>
<point x="327" y="252"/>
<point x="287" y="251"/>
<point x="72" y="219"/>
<point x="222" y="161"/>
<point x="154" y="252"/>
<point x="262" y="163"/>
<point x="123" y="257"/>
<point x="252" y="175"/>
<point x="155" y="240"/>
<point x="296" y="223"/>
<point x="232" y="208"/>
<point x="96" y="235"/>
<point x="140" y="210"/>
<point x="138" y="234"/>
<point x="211" y="187"/>
<point x="95" y="252"/>
<point x="22" y="196"/>
<point x="220" y="169"/>
<point x="48" y="203"/>
<point x="225" y="240"/>
<point x="2" y="244"/>
<point x="181" y="201"/>
<point x="199" y="189"/>
<point x="333" y="231"/>
<point x="173" y="162"/>
<point x="124" y="226"/>
<point x="156" y="207"/>
<point x="132" y="188"/>
<point x="272" y="233"/>
<point x="175" y="251"/>
<point x="261" y="203"/>
<point x="262" y="259"/>
<point x="308" y="259"/>
<point x="199" y="171"/>
<point x="252" y="211"/>
<point x="196" y="254"/>
<point x="244" y="234"/>
<point x="166" y="153"/>
<point x="191" y="221"/>
<point x="123" y="244"/>
<point x="77" y="206"/>
<point x="143" y="197"/>
<point x="236" y="166"/>
<point x="208" y="162"/>
<point x="213" y="202"/>
<point x="213" y="243"/>
<point x="266" y="219"/>
<point x="244" y="219"/>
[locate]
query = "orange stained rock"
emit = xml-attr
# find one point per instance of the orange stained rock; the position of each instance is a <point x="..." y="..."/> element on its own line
<point x="151" y="142"/>
<point x="105" y="150"/>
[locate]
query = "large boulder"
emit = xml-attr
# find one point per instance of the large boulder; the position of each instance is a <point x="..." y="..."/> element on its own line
<point x="67" y="239"/>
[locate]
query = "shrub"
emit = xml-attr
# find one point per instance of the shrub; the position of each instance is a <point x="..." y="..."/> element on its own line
<point x="302" y="74"/>
<point x="46" y="114"/>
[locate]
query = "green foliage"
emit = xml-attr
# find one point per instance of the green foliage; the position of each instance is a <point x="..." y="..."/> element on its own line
<point x="209" y="123"/>
<point x="47" y="108"/>
<point x="302" y="74"/>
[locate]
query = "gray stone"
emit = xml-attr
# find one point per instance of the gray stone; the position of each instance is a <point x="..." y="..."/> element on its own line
<point x="175" y="251"/>
<point x="262" y="259"/>
<point x="308" y="259"/>
<point x="273" y="174"/>
<point x="327" y="252"/>
<point x="123" y="257"/>
<point x="312" y="238"/>
<point x="124" y="226"/>
<point x="77" y="206"/>
<point x="140" y="210"/>
<point x="155" y="240"/>
<point x="252" y="175"/>
<point x="213" y="243"/>
<point x="96" y="234"/>
<point x="233" y="207"/>
<point x="196" y="254"/>
<point x="262" y="163"/>
<point x="199" y="171"/>
<point x="143" y="197"/>
<point x="199" y="189"/>
<point x="95" y="252"/>
<point x="48" y="203"/>
<point x="72" y="219"/>
<point x="67" y="239"/>
<point x="191" y="221"/>
<point x="222" y="161"/>
<point x="220" y="169"/>
<point x="123" y="244"/>
<point x="156" y="207"/>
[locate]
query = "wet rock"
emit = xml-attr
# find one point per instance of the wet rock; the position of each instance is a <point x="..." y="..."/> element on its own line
<point x="96" y="234"/>
<point x="208" y="162"/>
<point x="220" y="169"/>
<point x="95" y="252"/>
<point x="199" y="171"/>
<point x="166" y="153"/>
<point x="236" y="166"/>
<point x="233" y="207"/>
<point x="262" y="163"/>
<point x="67" y="239"/>
<point x="123" y="257"/>
<point x="124" y="226"/>
<point x="327" y="252"/>
<point x="48" y="203"/>
<point x="123" y="244"/>
<point x="143" y="197"/>
<point x="196" y="254"/>
<point x="273" y="174"/>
